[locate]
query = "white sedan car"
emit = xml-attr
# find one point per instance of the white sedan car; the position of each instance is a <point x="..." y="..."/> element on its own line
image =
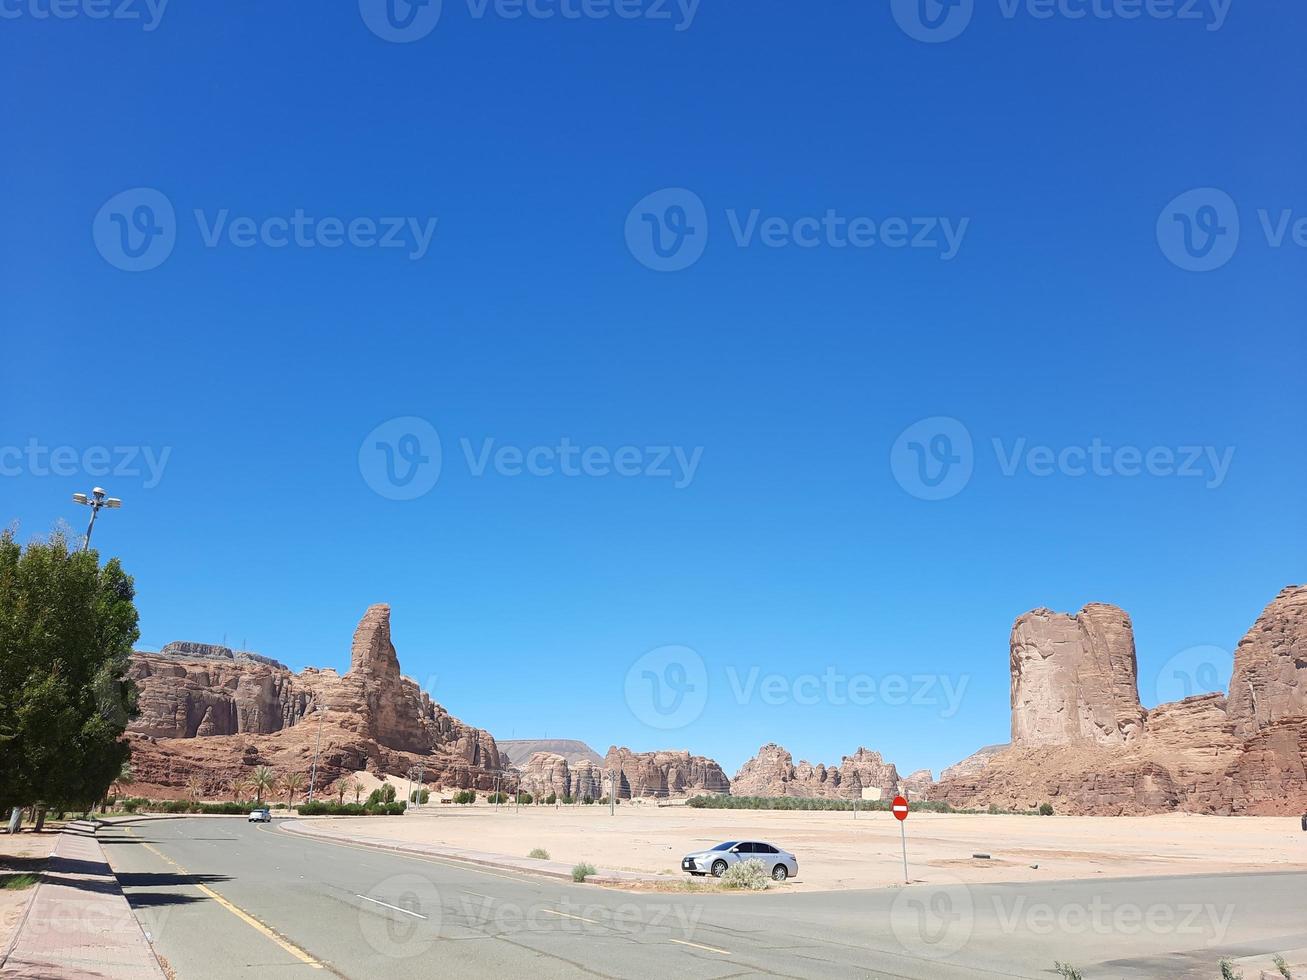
<point x="261" y="815"/>
<point x="714" y="861"/>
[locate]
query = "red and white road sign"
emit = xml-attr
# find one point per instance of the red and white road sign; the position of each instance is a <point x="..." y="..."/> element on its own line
<point x="900" y="808"/>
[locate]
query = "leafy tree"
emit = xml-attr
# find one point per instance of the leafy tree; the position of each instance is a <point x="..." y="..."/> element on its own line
<point x="292" y="783"/>
<point x="262" y="780"/>
<point x="67" y="626"/>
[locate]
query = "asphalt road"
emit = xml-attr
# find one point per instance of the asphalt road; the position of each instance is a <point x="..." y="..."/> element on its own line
<point x="221" y="898"/>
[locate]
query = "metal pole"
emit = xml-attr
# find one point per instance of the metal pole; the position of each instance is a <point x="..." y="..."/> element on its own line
<point x="903" y="834"/>
<point x="313" y="777"/>
<point x="86" y="542"/>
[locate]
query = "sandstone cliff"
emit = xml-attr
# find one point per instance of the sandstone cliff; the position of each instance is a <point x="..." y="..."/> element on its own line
<point x="772" y="772"/>
<point x="664" y="774"/>
<point x="1081" y="742"/>
<point x="212" y="713"/>
<point x="548" y="772"/>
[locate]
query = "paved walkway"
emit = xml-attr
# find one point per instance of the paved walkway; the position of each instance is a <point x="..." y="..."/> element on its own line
<point x="78" y="925"/>
<point x="553" y="869"/>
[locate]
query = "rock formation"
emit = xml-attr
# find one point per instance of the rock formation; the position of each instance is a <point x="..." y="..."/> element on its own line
<point x="212" y="713"/>
<point x="664" y="774"/>
<point x="518" y="751"/>
<point x="548" y="772"/>
<point x="916" y="786"/>
<point x="1074" y="678"/>
<point x="1081" y="742"/>
<point x="1269" y="683"/>
<point x="772" y="772"/>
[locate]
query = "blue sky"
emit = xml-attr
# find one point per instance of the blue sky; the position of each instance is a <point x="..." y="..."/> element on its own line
<point x="791" y="370"/>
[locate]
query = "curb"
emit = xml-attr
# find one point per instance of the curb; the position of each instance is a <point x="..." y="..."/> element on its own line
<point x="498" y="862"/>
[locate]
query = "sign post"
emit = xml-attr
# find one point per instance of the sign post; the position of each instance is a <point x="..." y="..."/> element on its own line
<point x="900" y="809"/>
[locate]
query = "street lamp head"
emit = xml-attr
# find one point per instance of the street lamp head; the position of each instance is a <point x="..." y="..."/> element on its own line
<point x="98" y="491"/>
<point x="113" y="502"/>
<point x="80" y="498"/>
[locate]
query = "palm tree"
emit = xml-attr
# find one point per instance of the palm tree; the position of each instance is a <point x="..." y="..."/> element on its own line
<point x="195" y="788"/>
<point x="125" y="777"/>
<point x="262" y="780"/>
<point x="356" y="785"/>
<point x="292" y="783"/>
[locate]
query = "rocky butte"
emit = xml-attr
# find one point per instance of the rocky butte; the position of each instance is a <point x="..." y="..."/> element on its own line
<point x="772" y="772"/>
<point x="1082" y="741"/>
<point x="211" y="714"/>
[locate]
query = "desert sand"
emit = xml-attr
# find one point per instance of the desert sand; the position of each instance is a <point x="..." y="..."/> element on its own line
<point x="836" y="851"/>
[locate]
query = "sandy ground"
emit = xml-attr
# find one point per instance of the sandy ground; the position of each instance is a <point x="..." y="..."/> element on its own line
<point x="836" y="851"/>
<point x="24" y="852"/>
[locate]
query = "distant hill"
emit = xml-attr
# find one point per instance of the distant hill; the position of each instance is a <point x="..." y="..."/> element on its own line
<point x="519" y="750"/>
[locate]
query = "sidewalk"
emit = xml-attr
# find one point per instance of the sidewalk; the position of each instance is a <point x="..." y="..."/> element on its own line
<point x="78" y="925"/>
<point x="504" y="862"/>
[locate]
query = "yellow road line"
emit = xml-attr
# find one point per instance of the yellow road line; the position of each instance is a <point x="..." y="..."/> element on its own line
<point x="241" y="914"/>
<point x="711" y="949"/>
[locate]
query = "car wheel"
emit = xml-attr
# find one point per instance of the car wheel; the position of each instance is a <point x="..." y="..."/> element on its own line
<point x="718" y="868"/>
<point x="779" y="873"/>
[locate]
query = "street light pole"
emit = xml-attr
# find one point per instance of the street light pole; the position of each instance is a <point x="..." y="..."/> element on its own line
<point x="313" y="778"/>
<point x="95" y="501"/>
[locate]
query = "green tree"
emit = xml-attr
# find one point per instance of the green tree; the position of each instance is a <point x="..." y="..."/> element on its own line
<point x="262" y="780"/>
<point x="292" y="783"/>
<point x="67" y="625"/>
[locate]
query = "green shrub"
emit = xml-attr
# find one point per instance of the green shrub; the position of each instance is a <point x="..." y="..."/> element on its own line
<point x="1046" y="809"/>
<point x="524" y="799"/>
<point x="465" y="796"/>
<point x="1066" y="971"/>
<point x="1282" y="966"/>
<point x="18" y="882"/>
<point x="1228" y="972"/>
<point x="587" y="800"/>
<point x="497" y="798"/>
<point x="806" y="803"/>
<point x="568" y="800"/>
<point x="750" y="875"/>
<point x="582" y="871"/>
<point x="419" y="796"/>
<point x="129" y="806"/>
<point x="552" y="798"/>
<point x="539" y="853"/>
<point x="331" y="809"/>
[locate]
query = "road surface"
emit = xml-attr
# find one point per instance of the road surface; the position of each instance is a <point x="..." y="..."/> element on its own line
<point x="222" y="898"/>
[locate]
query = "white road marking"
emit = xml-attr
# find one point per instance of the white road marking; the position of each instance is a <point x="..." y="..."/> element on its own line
<point x="579" y="918"/>
<point x="711" y="949"/>
<point x="394" y="908"/>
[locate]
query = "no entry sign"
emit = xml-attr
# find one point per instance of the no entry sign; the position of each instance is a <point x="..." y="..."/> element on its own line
<point x="900" y="810"/>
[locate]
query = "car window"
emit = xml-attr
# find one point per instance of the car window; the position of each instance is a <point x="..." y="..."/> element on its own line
<point x="767" y="849"/>
<point x="748" y="848"/>
<point x="726" y="846"/>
